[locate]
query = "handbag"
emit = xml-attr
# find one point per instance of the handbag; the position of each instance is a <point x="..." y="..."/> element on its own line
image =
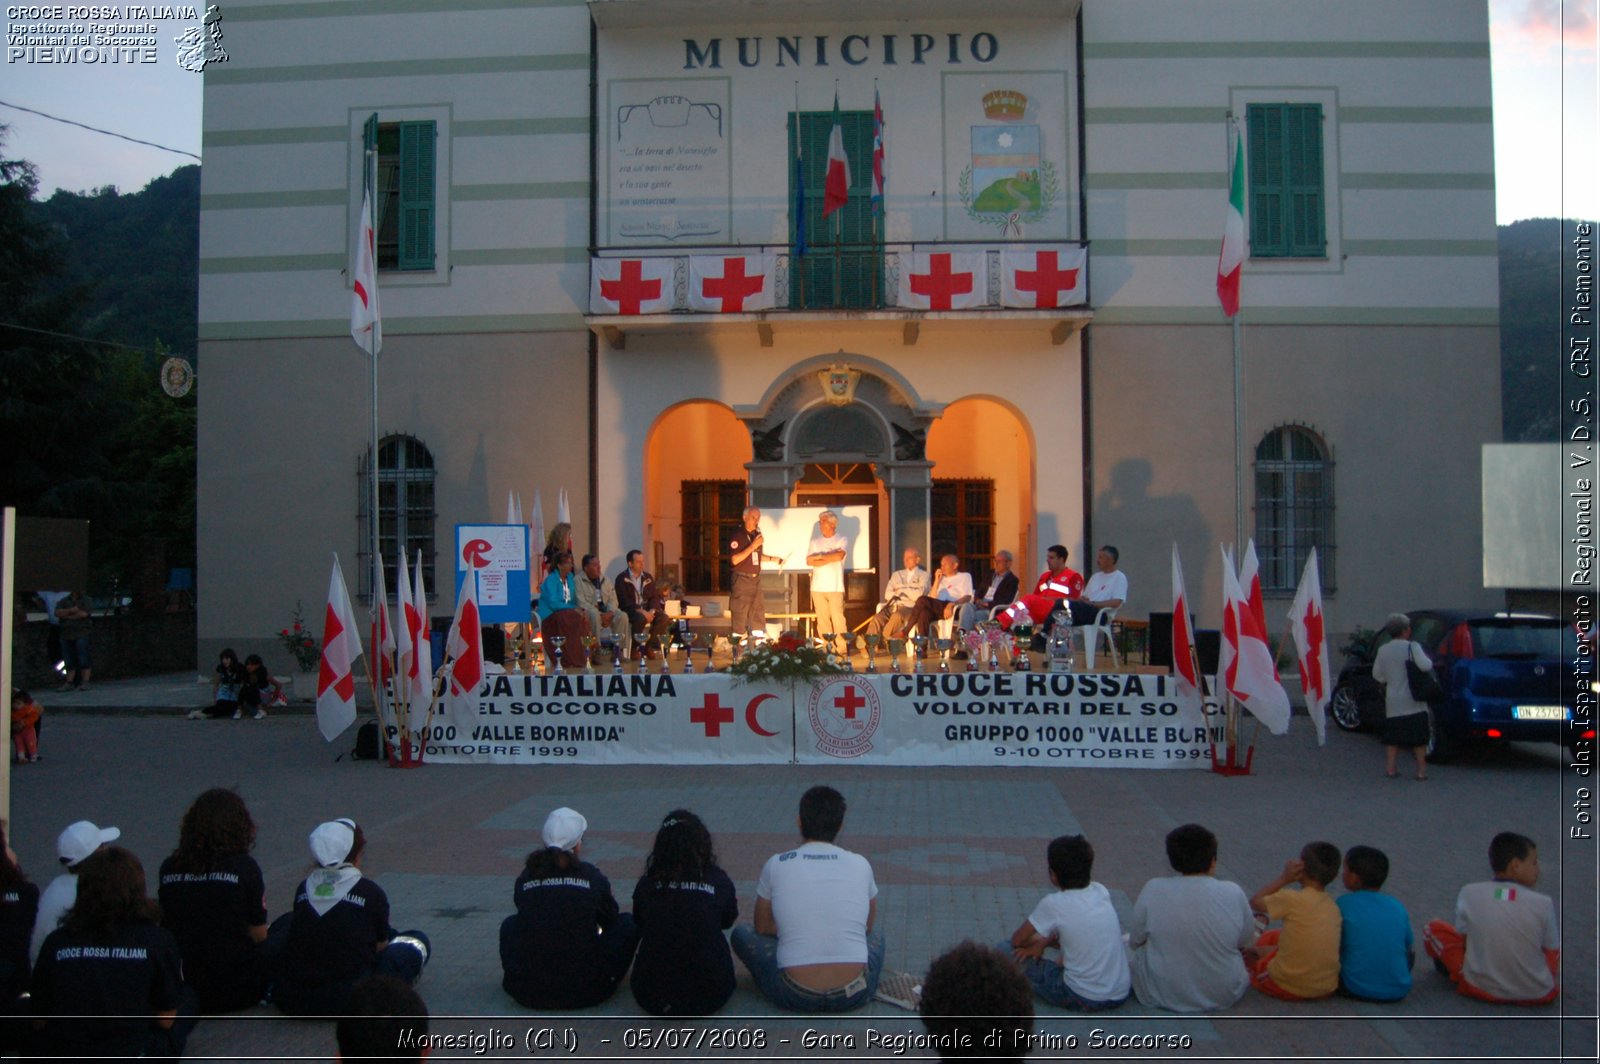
<point x="1425" y="686"/>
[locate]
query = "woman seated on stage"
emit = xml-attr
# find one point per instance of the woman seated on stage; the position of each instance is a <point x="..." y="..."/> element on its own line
<point x="683" y="904"/>
<point x="567" y="946"/>
<point x="559" y="614"/>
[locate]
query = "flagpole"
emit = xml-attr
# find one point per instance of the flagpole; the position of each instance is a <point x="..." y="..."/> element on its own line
<point x="369" y="178"/>
<point x="1238" y="382"/>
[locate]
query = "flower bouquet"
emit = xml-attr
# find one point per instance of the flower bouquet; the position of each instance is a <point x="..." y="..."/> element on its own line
<point x="787" y="659"/>
<point x="298" y="641"/>
<point x="986" y="635"/>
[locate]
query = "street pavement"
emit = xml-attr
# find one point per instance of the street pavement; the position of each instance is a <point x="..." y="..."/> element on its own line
<point x="957" y="852"/>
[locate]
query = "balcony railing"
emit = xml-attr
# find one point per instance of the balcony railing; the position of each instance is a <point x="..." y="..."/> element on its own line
<point x="866" y="277"/>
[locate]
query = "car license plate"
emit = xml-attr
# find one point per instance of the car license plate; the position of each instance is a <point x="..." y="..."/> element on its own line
<point x="1539" y="712"/>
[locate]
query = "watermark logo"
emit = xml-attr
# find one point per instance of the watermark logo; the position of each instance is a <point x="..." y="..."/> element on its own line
<point x="202" y="44"/>
<point x="109" y="34"/>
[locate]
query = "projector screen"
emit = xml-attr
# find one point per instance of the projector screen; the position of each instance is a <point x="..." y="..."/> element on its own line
<point x="788" y="533"/>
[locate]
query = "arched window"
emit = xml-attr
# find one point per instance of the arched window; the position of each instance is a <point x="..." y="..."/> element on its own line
<point x="1294" y="507"/>
<point x="405" y="510"/>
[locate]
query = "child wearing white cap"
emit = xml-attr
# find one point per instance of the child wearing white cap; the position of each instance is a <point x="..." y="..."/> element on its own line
<point x="567" y="946"/>
<point x="338" y="930"/>
<point x="78" y="841"/>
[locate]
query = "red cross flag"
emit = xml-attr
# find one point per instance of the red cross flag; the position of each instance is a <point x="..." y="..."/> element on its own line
<point x="464" y="653"/>
<point x="1246" y="662"/>
<point x="941" y="280"/>
<point x="341" y="646"/>
<point x="731" y="284"/>
<point x="1185" y="660"/>
<point x="630" y="286"/>
<point x="1311" y="643"/>
<point x="1044" y="277"/>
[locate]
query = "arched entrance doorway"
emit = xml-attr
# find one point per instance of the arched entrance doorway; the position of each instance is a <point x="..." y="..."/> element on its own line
<point x="982" y="496"/>
<point x="694" y="491"/>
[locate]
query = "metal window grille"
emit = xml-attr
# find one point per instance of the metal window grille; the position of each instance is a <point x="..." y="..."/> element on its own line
<point x="406" y="511"/>
<point x="1294" y="508"/>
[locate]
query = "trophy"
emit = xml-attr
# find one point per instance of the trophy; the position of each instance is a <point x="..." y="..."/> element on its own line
<point x="736" y="641"/>
<point x="1059" y="647"/>
<point x="920" y="643"/>
<point x="618" y="651"/>
<point x="639" y="640"/>
<point x="557" y="641"/>
<point x="973" y="641"/>
<point x="943" y="646"/>
<point x="897" y="647"/>
<point x="689" y="640"/>
<point x="828" y="646"/>
<point x="872" y="640"/>
<point x="591" y="647"/>
<point x="1021" y="660"/>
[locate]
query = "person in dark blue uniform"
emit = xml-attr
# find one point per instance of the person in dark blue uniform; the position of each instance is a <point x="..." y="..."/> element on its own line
<point x="682" y="904"/>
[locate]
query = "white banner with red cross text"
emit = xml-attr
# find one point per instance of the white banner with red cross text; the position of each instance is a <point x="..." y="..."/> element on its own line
<point x="1097" y="720"/>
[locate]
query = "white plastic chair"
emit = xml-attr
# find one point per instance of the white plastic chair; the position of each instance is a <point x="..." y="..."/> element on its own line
<point x="1091" y="635"/>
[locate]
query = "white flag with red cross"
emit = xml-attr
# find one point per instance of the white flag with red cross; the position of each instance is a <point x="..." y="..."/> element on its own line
<point x="1247" y="666"/>
<point x="1306" y="625"/>
<point x="464" y="653"/>
<point x="941" y="280"/>
<point x="341" y="646"/>
<point x="630" y="286"/>
<point x="1044" y="277"/>
<point x="731" y="284"/>
<point x="1185" y="659"/>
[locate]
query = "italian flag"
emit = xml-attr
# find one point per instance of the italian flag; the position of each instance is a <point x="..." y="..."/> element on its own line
<point x="1231" y="260"/>
<point x="836" y="189"/>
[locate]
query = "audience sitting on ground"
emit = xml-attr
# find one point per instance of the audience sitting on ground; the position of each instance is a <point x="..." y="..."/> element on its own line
<point x="567" y="946"/>
<point x="682" y="905"/>
<point x="213" y="900"/>
<point x="385" y="1018"/>
<point x="1376" y="949"/>
<point x="1080" y="920"/>
<point x="815" y="944"/>
<point x="975" y="1003"/>
<point x="1300" y="962"/>
<point x="1188" y="930"/>
<point x="1505" y="945"/>
<point x="337" y="931"/>
<point x="73" y="845"/>
<point x="109" y="980"/>
<point x="19" y="905"/>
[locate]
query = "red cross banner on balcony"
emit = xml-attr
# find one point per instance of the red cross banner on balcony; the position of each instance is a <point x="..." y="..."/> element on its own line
<point x="942" y="280"/>
<point x="731" y="284"/>
<point x="1040" y="277"/>
<point x="630" y="286"/>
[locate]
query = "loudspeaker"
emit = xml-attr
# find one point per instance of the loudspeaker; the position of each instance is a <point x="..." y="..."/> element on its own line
<point x="1208" y="648"/>
<point x="1161" y="639"/>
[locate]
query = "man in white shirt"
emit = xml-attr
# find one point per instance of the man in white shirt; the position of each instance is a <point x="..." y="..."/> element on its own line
<point x="899" y="596"/>
<point x="1107" y="589"/>
<point x="952" y="589"/>
<point x="814" y="945"/>
<point x="826" y="557"/>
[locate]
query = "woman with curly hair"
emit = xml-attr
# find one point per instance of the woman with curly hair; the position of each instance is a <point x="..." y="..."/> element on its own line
<point x="213" y="900"/>
<point x="683" y="903"/>
<point x="109" y="980"/>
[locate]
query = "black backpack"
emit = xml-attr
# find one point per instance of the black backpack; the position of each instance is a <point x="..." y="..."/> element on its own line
<point x="368" y="747"/>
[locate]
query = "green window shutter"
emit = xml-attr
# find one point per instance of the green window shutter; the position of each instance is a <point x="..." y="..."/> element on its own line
<point x="1303" y="179"/>
<point x="1268" y="231"/>
<point x="417" y="147"/>
<point x="1287" y="204"/>
<point x="831" y="276"/>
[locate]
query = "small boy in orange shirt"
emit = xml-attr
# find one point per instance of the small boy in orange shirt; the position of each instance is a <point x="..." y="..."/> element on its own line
<point x="1300" y="962"/>
<point x="25" y="714"/>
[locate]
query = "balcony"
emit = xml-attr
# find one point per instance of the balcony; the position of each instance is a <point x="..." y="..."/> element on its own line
<point x="1018" y="285"/>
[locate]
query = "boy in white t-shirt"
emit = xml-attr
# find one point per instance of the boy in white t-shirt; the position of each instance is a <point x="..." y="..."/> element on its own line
<point x="1079" y="918"/>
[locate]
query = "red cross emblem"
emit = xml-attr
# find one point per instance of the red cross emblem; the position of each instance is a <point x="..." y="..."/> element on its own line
<point x="1048" y="282"/>
<point x="939" y="284"/>
<point x="850" y="701"/>
<point x="712" y="714"/>
<point x="733" y="286"/>
<point x="631" y="289"/>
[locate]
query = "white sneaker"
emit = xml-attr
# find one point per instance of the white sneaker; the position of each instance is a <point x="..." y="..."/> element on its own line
<point x="197" y="714"/>
<point x="238" y="714"/>
<point x="261" y="714"/>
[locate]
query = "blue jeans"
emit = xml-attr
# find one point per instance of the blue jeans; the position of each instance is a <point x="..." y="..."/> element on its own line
<point x="760" y="954"/>
<point x="1049" y="982"/>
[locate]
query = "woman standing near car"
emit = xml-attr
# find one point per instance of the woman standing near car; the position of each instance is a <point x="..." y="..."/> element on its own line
<point x="1405" y="720"/>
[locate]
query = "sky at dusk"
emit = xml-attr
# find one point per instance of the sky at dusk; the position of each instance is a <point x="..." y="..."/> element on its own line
<point x="1547" y="125"/>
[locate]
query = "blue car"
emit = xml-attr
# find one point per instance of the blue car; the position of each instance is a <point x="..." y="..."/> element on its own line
<point x="1507" y="677"/>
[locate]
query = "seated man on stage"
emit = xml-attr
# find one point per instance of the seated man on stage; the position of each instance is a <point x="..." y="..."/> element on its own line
<point x="597" y="598"/>
<point x="814" y="944"/>
<point x="559" y="613"/>
<point x="900" y="596"/>
<point x="952" y="589"/>
<point x="1107" y="589"/>
<point x="1002" y="590"/>
<point x="1057" y="584"/>
<point x="640" y="599"/>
